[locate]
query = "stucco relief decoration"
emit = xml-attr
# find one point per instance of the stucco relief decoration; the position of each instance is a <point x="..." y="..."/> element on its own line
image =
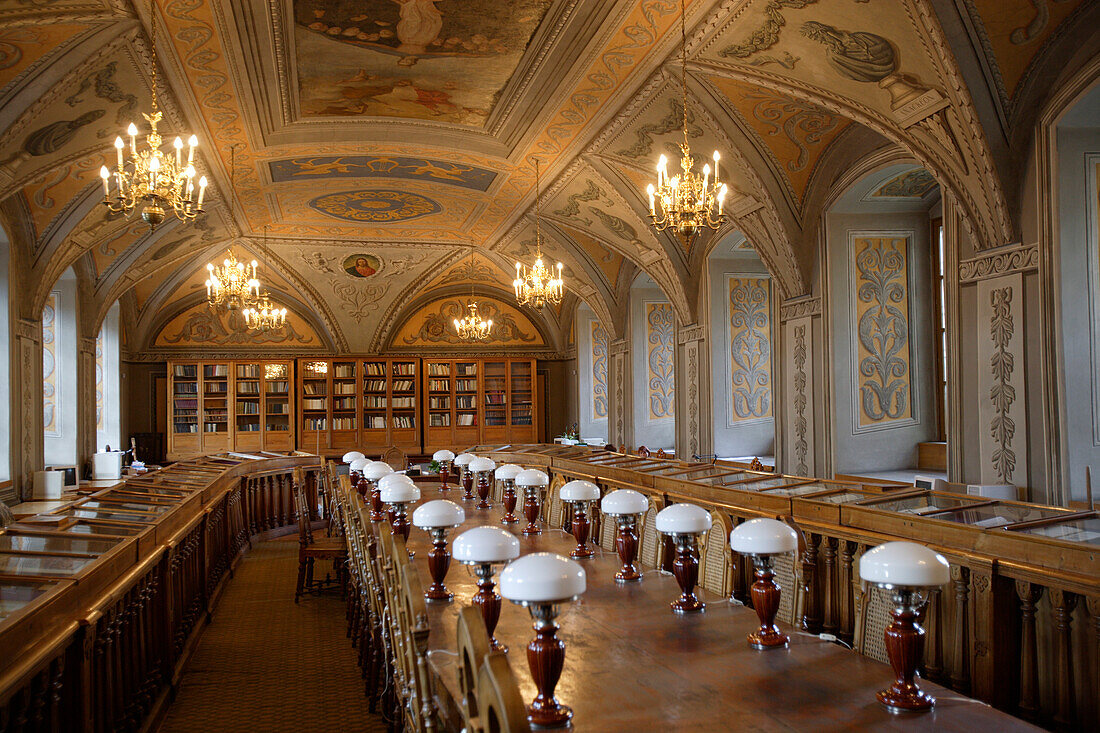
<point x="801" y="425"/>
<point x="434" y="325"/>
<point x="376" y="206"/>
<point x="206" y="327"/>
<point x="661" y="383"/>
<point x="1001" y="392"/>
<point x="767" y="34"/>
<point x="804" y="125"/>
<point x="882" y="316"/>
<point x="99" y="373"/>
<point x="599" y="371"/>
<point x="911" y="184"/>
<point x="349" y="277"/>
<point x="670" y="123"/>
<point x="50" y="391"/>
<point x="331" y="167"/>
<point x="750" y="348"/>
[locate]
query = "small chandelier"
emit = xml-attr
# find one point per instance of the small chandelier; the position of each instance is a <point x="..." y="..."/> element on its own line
<point x="160" y="182"/>
<point x="472" y="327"/>
<point x="233" y="284"/>
<point x="687" y="202"/>
<point x="266" y="315"/>
<point x="537" y="286"/>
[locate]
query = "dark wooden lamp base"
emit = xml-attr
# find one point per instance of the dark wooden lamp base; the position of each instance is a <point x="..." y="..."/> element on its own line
<point x="905" y="647"/>
<point x="399" y="523"/>
<point x="509" y="498"/>
<point x="444" y="476"/>
<point x="487" y="601"/>
<point x="686" y="569"/>
<point x="765" y="601"/>
<point x="580" y="528"/>
<point x="626" y="543"/>
<point x="467" y="484"/>
<point x="439" y="560"/>
<point x="531" y="511"/>
<point x="483" y="491"/>
<point x="546" y="657"/>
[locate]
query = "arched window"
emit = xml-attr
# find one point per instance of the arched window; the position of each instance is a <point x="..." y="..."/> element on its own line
<point x="108" y="427"/>
<point x="59" y="373"/>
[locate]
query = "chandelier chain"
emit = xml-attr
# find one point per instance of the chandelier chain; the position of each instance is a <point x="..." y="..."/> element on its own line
<point x="536" y="285"/>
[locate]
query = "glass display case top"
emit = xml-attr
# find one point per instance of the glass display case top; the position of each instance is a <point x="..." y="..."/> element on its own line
<point x="990" y="516"/>
<point x="16" y="594"/>
<point x="14" y="541"/>
<point x="840" y="497"/>
<point x="814" y="487"/>
<point x="42" y="566"/>
<point x="926" y="502"/>
<point x="1085" y="530"/>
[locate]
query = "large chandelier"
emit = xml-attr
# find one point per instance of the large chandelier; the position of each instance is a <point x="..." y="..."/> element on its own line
<point x="687" y="202"/>
<point x="266" y="315"/>
<point x="537" y="286"/>
<point x="159" y="181"/>
<point x="473" y="327"/>
<point x="232" y="285"/>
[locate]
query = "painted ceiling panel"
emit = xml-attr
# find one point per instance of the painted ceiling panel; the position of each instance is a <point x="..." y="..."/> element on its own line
<point x="609" y="262"/>
<point x="200" y="327"/>
<point x="23" y="46"/>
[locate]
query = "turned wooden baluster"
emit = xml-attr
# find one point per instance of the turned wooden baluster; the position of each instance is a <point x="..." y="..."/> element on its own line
<point x="828" y="554"/>
<point x="1062" y="604"/>
<point x="847" y="611"/>
<point x="1029" y="595"/>
<point x="960" y="583"/>
<point x="1092" y="605"/>
<point x="811" y="619"/>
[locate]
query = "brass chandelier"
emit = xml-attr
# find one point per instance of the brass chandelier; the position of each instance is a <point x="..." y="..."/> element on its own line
<point x="159" y="182"/>
<point x="537" y="286"/>
<point x="686" y="202"/>
<point x="265" y="315"/>
<point x="473" y="327"/>
<point x="232" y="285"/>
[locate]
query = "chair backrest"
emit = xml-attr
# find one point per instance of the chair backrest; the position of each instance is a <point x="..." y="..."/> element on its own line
<point x="305" y="531"/>
<point x="502" y="708"/>
<point x="650" y="551"/>
<point x="660" y="453"/>
<point x="608" y="529"/>
<point x="396" y="458"/>
<point x="420" y="704"/>
<point x="643" y="451"/>
<point x="555" y="507"/>
<point x="473" y="647"/>
<point x="716" y="557"/>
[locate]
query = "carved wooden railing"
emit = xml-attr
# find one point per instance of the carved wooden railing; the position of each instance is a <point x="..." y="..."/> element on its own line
<point x="109" y="664"/>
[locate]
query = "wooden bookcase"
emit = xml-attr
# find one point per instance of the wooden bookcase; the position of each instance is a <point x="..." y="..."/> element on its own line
<point x="229" y="405"/>
<point x="479" y="400"/>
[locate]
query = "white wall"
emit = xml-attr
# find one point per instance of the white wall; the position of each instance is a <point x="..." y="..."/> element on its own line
<point x="109" y="431"/>
<point x="746" y="437"/>
<point x="59" y="447"/>
<point x="587" y="423"/>
<point x="1079" y="278"/>
<point x="653" y="434"/>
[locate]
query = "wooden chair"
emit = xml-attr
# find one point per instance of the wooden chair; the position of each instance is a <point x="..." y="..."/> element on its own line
<point x="651" y="542"/>
<point x="555" y="507"/>
<point x="660" y="453"/>
<point x="716" y="557"/>
<point x="643" y="452"/>
<point x="396" y="457"/>
<point x="608" y="529"/>
<point x="473" y="647"/>
<point x="311" y="549"/>
<point x="419" y="703"/>
<point x="502" y="708"/>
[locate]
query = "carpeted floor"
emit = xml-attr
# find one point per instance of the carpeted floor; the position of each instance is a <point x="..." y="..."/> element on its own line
<point x="266" y="664"/>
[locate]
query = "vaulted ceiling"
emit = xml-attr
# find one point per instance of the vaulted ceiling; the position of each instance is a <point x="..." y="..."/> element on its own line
<point x="376" y="155"/>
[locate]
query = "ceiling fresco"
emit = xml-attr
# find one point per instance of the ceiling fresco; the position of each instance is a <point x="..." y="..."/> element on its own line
<point x="444" y="60"/>
<point x="381" y="141"/>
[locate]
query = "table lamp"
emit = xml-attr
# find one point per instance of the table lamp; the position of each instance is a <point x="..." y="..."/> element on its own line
<point x="685" y="522"/>
<point x="398" y="495"/>
<point x="483" y="547"/>
<point x="436" y="517"/>
<point x="356" y="476"/>
<point x="482" y="468"/>
<point x="507" y="475"/>
<point x="445" y="457"/>
<point x="580" y="494"/>
<point x="353" y="455"/>
<point x="626" y="505"/>
<point x="531" y="482"/>
<point x="761" y="539"/>
<point x="462" y="460"/>
<point x="907" y="569"/>
<point x="542" y="581"/>
<point x="373" y="472"/>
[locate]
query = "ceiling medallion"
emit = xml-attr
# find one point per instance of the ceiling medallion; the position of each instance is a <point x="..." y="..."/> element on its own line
<point x="160" y="182"/>
<point x="686" y="203"/>
<point x="536" y="285"/>
<point x="375" y="205"/>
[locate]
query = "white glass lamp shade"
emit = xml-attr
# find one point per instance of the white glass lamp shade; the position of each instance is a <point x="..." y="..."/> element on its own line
<point x="376" y="470"/>
<point x="542" y="577"/>
<point x="683" y="519"/>
<point x="400" y="493"/>
<point x="480" y="465"/>
<point x="624" y="501"/>
<point x="507" y="472"/>
<point x="485" y="545"/>
<point x="443" y="455"/>
<point x="438" y="513"/>
<point x="359" y="464"/>
<point x="393" y="479"/>
<point x="532" y="477"/>
<point x="904" y="564"/>
<point x="763" y="537"/>
<point x="580" y="491"/>
<point x="463" y="459"/>
<point x="352" y="456"/>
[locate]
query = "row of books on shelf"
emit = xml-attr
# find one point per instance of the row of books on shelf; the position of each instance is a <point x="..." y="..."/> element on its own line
<point x="215" y="427"/>
<point x="185" y="427"/>
<point x="185" y="371"/>
<point x="248" y="388"/>
<point x="439" y="419"/>
<point x="496" y="398"/>
<point x="466" y="370"/>
<point x="467" y="419"/>
<point x="216" y="387"/>
<point x="439" y="403"/>
<point x="313" y="403"/>
<point x="343" y="388"/>
<point x="186" y="404"/>
<point x="372" y="402"/>
<point x="248" y="427"/>
<point x="248" y="408"/>
<point x="315" y="423"/>
<point x="279" y="387"/>
<point x="278" y="408"/>
<point x="343" y="423"/>
<point x="343" y="371"/>
<point x="318" y="388"/>
<point x="465" y="402"/>
<point x="248" y="371"/>
<point x="374" y="385"/>
<point x="465" y="385"/>
<point x="439" y="385"/>
<point x="374" y="422"/>
<point x="186" y="388"/>
<point x="404" y="422"/>
<point x="277" y="427"/>
<point x="439" y="370"/>
<point x="215" y="371"/>
<point x="343" y="403"/>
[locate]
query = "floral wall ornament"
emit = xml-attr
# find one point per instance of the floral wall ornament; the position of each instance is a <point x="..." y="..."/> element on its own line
<point x="599" y="371"/>
<point x="881" y="303"/>
<point x="434" y="324"/>
<point x="661" y="379"/>
<point x="750" y="348"/>
<point x="1001" y="392"/>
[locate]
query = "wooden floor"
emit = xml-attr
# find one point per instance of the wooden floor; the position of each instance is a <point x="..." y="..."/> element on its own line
<point x="265" y="664"/>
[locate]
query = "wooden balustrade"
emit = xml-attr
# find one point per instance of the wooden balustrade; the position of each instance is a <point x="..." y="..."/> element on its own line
<point x="108" y="662"/>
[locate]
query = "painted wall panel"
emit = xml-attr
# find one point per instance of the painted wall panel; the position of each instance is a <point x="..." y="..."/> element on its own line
<point x="799" y="408"/>
<point x="592" y="365"/>
<point x="648" y="361"/>
<point x="1001" y="406"/>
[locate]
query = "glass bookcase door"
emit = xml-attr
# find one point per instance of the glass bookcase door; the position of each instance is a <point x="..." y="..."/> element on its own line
<point x="403" y="404"/>
<point x="277" y="398"/>
<point x="375" y="402"/>
<point x="315" y="398"/>
<point x="248" y="387"/>
<point x="523" y="402"/>
<point x="496" y="394"/>
<point x="215" y="398"/>
<point x="439" y="395"/>
<point x="185" y="399"/>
